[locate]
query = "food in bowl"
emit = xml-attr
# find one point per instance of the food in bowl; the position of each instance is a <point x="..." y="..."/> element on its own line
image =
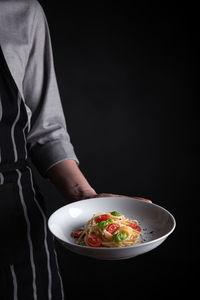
<point x="110" y="230"/>
<point x="156" y="223"/>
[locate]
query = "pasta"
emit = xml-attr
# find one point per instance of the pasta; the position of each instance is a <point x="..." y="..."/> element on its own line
<point x="110" y="230"/>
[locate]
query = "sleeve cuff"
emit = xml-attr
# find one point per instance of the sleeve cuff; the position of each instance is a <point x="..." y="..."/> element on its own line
<point x="45" y="156"/>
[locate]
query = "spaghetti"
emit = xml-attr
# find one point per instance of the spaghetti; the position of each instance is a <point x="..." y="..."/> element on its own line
<point x="110" y="230"/>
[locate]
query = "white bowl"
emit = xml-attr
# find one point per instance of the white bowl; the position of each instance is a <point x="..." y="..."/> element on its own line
<point x="156" y="223"/>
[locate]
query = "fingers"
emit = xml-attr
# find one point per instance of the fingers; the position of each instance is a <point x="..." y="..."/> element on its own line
<point x="144" y="199"/>
<point x="101" y="195"/>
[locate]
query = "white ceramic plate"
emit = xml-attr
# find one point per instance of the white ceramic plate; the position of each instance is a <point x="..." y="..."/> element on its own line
<point x="156" y="223"/>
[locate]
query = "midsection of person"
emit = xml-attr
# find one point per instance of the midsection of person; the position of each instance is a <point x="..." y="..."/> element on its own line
<point x="25" y="241"/>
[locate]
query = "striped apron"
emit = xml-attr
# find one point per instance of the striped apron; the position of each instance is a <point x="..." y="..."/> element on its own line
<point x="28" y="261"/>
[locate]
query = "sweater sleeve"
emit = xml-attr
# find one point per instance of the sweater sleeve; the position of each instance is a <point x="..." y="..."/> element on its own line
<point x="48" y="139"/>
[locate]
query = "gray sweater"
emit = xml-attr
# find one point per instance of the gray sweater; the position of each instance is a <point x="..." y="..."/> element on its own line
<point x="26" y="44"/>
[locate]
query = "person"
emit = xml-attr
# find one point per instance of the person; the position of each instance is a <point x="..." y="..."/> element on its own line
<point x="32" y="126"/>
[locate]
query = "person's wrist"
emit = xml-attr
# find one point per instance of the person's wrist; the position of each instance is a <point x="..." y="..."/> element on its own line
<point x="79" y="192"/>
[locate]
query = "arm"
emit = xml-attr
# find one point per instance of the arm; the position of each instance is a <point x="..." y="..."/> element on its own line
<point x="49" y="144"/>
<point x="48" y="138"/>
<point x="70" y="181"/>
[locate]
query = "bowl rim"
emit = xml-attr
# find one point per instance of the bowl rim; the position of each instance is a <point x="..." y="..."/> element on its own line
<point x="115" y="248"/>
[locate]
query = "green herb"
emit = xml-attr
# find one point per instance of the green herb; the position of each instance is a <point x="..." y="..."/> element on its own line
<point x="115" y="213"/>
<point x="120" y="236"/>
<point x="111" y="220"/>
<point x="104" y="224"/>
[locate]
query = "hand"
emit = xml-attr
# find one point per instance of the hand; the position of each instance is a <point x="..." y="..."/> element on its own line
<point x="73" y="185"/>
<point x="114" y="195"/>
<point x="70" y="181"/>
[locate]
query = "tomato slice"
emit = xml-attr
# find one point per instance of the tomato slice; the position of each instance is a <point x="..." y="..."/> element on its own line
<point x="135" y="226"/>
<point x="112" y="228"/>
<point x="76" y="233"/>
<point x="94" y="241"/>
<point x="102" y="218"/>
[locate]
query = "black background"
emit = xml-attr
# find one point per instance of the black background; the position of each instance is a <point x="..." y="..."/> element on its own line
<point x="127" y="79"/>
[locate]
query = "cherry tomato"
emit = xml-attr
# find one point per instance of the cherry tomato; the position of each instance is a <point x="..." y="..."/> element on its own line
<point x="135" y="226"/>
<point x="76" y="233"/>
<point x="94" y="241"/>
<point x="112" y="228"/>
<point x="102" y="218"/>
